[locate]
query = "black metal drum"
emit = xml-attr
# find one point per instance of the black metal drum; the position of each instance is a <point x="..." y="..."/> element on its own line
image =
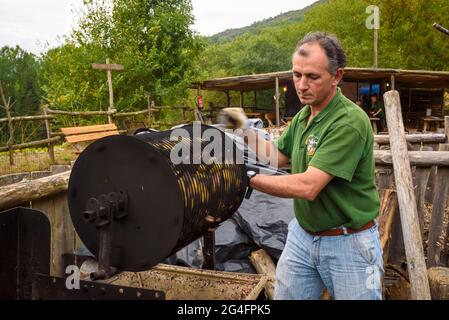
<point x="157" y="205"/>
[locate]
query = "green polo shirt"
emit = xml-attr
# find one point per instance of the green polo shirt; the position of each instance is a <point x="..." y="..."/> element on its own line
<point x="339" y="141"/>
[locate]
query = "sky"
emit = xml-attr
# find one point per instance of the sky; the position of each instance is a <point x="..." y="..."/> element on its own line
<point x="37" y="25"/>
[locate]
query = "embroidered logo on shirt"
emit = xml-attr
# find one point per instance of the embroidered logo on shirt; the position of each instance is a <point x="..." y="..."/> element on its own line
<point x="311" y="143"/>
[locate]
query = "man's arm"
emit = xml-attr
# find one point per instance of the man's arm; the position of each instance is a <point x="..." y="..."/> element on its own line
<point x="305" y="185"/>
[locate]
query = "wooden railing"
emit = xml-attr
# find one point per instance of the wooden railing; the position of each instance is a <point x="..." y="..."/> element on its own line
<point x="54" y="137"/>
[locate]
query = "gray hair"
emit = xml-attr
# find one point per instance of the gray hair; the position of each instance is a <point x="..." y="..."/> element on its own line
<point x="335" y="53"/>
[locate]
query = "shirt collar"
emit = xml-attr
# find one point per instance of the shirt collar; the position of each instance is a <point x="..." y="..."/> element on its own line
<point x="306" y="112"/>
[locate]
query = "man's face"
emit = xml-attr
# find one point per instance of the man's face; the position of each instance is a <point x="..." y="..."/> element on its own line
<point x="313" y="82"/>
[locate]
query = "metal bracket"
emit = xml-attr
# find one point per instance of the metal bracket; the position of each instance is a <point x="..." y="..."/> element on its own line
<point x="54" y="288"/>
<point x="103" y="211"/>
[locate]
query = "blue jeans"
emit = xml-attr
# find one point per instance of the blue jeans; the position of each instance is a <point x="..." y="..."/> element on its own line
<point x="349" y="266"/>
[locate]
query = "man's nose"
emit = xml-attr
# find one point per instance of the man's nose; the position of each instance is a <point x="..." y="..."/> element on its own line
<point x="302" y="84"/>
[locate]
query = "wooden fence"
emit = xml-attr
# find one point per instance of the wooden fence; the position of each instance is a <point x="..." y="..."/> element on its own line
<point x="55" y="137"/>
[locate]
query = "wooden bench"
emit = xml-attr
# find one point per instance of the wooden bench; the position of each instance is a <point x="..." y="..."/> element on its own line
<point x="80" y="137"/>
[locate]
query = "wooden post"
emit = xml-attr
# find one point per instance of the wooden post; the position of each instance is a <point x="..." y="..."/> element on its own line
<point x="241" y="99"/>
<point x="384" y="177"/>
<point x="439" y="283"/>
<point x="263" y="263"/>
<point x="7" y="106"/>
<point x="376" y="41"/>
<point x="228" y="99"/>
<point x="255" y="101"/>
<point x="421" y="178"/>
<point x="276" y="97"/>
<point x="51" y="151"/>
<point x="446" y="128"/>
<point x="62" y="230"/>
<point x="109" y="67"/>
<point x="149" y="110"/>
<point x="407" y="204"/>
<point x="440" y="198"/>
<point x="393" y="85"/>
<point x="445" y="252"/>
<point x="388" y="212"/>
<point x="111" y="92"/>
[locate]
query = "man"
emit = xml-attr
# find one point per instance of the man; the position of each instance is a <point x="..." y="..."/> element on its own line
<point x="376" y="111"/>
<point x="333" y="243"/>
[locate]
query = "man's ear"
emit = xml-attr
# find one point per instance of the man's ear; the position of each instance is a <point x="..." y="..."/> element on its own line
<point x="338" y="76"/>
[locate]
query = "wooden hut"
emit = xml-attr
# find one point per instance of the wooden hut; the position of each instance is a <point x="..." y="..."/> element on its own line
<point x="422" y="92"/>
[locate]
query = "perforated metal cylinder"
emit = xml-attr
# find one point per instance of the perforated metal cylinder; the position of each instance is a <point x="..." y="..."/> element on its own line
<point x="170" y="204"/>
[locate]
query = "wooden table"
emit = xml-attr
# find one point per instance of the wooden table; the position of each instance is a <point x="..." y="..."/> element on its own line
<point x="374" y="122"/>
<point x="432" y="121"/>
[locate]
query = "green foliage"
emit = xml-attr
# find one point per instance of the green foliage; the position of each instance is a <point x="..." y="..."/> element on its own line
<point x="152" y="39"/>
<point x="282" y="20"/>
<point x="407" y="39"/>
<point x="18" y="74"/>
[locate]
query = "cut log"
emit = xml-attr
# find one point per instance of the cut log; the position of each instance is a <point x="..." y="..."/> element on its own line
<point x="407" y="204"/>
<point x="439" y="283"/>
<point x="414" y="138"/>
<point x="388" y="210"/>
<point x="264" y="265"/>
<point x="420" y="182"/>
<point x="440" y="197"/>
<point x="416" y="158"/>
<point x="62" y="230"/>
<point x="28" y="190"/>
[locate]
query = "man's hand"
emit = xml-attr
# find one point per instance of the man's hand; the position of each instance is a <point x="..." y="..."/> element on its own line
<point x="233" y="118"/>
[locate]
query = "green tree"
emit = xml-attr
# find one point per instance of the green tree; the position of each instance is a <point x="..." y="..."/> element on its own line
<point x="152" y="39"/>
<point x="18" y="74"/>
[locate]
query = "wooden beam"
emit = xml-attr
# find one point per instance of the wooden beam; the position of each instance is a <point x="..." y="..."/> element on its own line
<point x="407" y="204"/>
<point x="416" y="158"/>
<point x="446" y="128"/>
<point x="62" y="230"/>
<point x="255" y="101"/>
<point x="108" y="66"/>
<point x="28" y="190"/>
<point x="51" y="151"/>
<point x="80" y="113"/>
<point x="439" y="283"/>
<point x="32" y="144"/>
<point x="7" y="106"/>
<point x="278" y="120"/>
<point x="421" y="178"/>
<point x="264" y="265"/>
<point x="376" y="41"/>
<point x="27" y="118"/>
<point x="414" y="138"/>
<point x="111" y="92"/>
<point x="88" y="129"/>
<point x="440" y="197"/>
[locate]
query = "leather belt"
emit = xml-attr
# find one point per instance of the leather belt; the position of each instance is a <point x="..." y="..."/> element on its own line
<point x="341" y="231"/>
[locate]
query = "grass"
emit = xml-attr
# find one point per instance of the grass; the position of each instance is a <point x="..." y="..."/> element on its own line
<point x="34" y="159"/>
